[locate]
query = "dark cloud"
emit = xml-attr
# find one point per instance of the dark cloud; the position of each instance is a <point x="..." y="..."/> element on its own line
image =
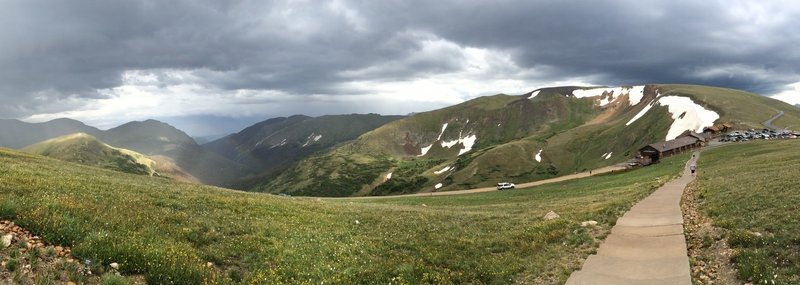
<point x="56" y="54"/>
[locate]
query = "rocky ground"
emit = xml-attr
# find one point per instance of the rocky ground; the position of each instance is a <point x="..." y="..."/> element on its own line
<point x="26" y="259"/>
<point x="709" y="253"/>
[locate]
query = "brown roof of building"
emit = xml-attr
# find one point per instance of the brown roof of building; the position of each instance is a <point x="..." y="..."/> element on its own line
<point x="674" y="144"/>
<point x="702" y="137"/>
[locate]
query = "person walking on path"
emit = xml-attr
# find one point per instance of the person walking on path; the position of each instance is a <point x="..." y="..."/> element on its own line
<point x="693" y="168"/>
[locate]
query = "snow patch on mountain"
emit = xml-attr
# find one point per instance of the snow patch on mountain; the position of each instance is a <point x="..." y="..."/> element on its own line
<point x="539" y="156"/>
<point x="635" y="94"/>
<point x="467" y="142"/>
<point x="444" y="127"/>
<point x="312" y="138"/>
<point x="443" y="170"/>
<point x="437" y="186"/>
<point x="642" y="112"/>
<point x="389" y="176"/>
<point x="425" y="150"/>
<point x="608" y="155"/>
<point x="282" y="143"/>
<point x="688" y="115"/>
<point x="533" y="95"/>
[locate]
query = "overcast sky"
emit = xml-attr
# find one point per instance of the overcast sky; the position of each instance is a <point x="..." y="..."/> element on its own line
<point x="109" y="62"/>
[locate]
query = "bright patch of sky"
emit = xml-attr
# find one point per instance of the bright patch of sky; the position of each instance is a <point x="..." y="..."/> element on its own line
<point x="789" y="95"/>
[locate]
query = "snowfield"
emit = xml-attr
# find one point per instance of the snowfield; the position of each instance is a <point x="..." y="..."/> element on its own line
<point x="608" y="155"/>
<point x="444" y="127"/>
<point x="533" y="95"/>
<point x="687" y="114"/>
<point x="642" y="112"/>
<point x="467" y="142"/>
<point x="539" y="156"/>
<point x="443" y="170"/>
<point x="438" y="185"/>
<point x="425" y="150"/>
<point x="635" y="94"/>
<point x="312" y="137"/>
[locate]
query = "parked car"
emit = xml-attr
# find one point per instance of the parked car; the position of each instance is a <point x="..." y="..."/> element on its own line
<point x="505" y="185"/>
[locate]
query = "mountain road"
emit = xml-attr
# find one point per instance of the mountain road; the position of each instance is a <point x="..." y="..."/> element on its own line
<point x="606" y="169"/>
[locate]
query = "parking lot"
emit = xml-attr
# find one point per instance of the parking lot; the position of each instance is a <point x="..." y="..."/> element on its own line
<point x="764" y="134"/>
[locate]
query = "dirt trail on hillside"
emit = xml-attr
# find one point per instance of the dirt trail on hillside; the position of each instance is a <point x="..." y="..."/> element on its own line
<point x="489" y="189"/>
<point x="609" y="111"/>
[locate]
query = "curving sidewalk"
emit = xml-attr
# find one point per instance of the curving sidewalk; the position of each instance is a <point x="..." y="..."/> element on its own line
<point x="647" y="245"/>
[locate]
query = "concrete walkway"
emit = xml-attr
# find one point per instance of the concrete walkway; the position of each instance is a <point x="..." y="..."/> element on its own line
<point x="647" y="245"/>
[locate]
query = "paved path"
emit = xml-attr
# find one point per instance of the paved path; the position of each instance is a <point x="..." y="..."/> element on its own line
<point x="647" y="245"/>
<point x="489" y="189"/>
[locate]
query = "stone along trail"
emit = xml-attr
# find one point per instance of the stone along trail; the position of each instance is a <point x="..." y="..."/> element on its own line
<point x="647" y="245"/>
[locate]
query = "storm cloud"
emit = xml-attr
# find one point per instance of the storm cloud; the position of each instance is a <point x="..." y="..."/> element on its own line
<point x="98" y="60"/>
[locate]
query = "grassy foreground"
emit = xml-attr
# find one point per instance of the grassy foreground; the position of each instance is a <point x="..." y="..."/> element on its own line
<point x="169" y="231"/>
<point x="751" y="192"/>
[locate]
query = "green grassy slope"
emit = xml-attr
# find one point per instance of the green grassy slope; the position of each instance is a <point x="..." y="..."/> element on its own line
<point x="573" y="134"/>
<point x="739" y="107"/>
<point x="494" y="120"/>
<point x="169" y="230"/>
<point x="750" y="191"/>
<point x="85" y="149"/>
<point x="273" y="145"/>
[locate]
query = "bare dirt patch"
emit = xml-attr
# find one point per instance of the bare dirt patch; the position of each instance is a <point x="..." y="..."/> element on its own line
<point x="709" y="253"/>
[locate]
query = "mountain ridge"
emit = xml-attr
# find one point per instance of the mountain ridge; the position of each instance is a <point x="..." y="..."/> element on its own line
<point x="537" y="135"/>
<point x="272" y="145"/>
<point x="86" y="149"/>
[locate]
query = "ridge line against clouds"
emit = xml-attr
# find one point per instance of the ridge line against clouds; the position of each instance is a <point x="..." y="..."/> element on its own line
<point x="113" y="61"/>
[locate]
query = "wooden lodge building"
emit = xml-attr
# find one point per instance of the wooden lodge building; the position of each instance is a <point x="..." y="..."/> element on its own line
<point x="717" y="129"/>
<point x="687" y="141"/>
